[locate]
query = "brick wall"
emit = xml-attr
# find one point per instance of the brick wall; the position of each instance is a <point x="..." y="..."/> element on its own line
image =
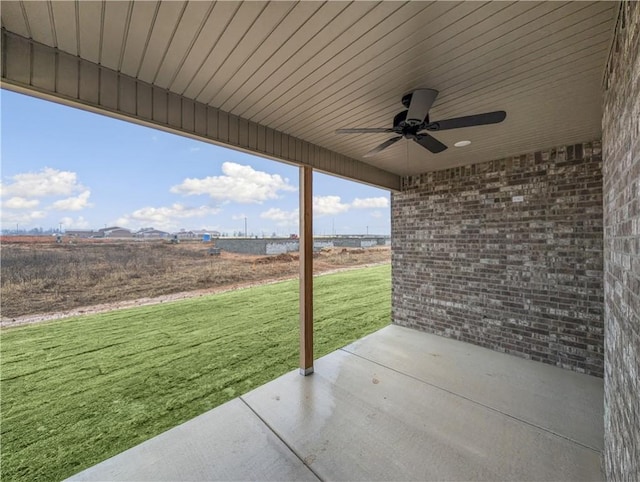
<point x="621" y="171"/>
<point x="506" y="254"/>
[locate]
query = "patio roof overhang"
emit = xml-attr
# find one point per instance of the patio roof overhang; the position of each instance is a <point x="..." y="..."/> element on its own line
<point x="278" y="78"/>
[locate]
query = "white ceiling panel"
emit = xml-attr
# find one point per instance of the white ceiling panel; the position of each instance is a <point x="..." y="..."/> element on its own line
<point x="194" y="16"/>
<point x="324" y="67"/>
<point x="309" y="68"/>
<point x="163" y="30"/>
<point x="142" y="19"/>
<point x="233" y="43"/>
<point x="39" y="19"/>
<point x="115" y="26"/>
<point x="263" y="26"/>
<point x="14" y="19"/>
<point x="65" y="26"/>
<point x="90" y="26"/>
<point x="194" y="72"/>
<point x="268" y="74"/>
<point x="239" y="87"/>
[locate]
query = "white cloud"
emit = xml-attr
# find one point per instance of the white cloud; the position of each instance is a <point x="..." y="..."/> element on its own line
<point x="167" y="217"/>
<point x="370" y="202"/>
<point x="26" y="190"/>
<point x="238" y="217"/>
<point x="376" y="214"/>
<point x="21" y="217"/>
<point x="322" y="206"/>
<point x="20" y="203"/>
<point x="47" y="182"/>
<point x="70" y="223"/>
<point x="328" y="205"/>
<point x="281" y="217"/>
<point x="239" y="183"/>
<point x="73" y="203"/>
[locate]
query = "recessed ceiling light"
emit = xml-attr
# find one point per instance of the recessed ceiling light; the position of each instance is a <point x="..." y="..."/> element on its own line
<point x="462" y="143"/>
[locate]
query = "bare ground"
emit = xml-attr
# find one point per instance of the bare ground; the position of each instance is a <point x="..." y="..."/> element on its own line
<point x="43" y="280"/>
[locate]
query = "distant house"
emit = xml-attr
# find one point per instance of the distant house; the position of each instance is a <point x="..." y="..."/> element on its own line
<point x="201" y="232"/>
<point x="114" y="232"/>
<point x="185" y="234"/>
<point x="81" y="233"/>
<point x="197" y="234"/>
<point x="151" y="233"/>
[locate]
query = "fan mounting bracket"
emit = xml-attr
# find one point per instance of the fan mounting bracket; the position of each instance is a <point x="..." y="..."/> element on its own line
<point x="406" y="99"/>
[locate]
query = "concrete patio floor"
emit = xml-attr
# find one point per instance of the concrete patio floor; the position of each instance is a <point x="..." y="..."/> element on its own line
<point x="396" y="405"/>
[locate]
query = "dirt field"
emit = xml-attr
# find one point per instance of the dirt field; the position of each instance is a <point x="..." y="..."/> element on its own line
<point x="40" y="276"/>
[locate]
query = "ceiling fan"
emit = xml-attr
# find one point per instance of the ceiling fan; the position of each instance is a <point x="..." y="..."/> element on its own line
<point x="412" y="123"/>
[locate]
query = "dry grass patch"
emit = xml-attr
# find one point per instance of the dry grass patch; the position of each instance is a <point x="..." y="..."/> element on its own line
<point x="47" y="277"/>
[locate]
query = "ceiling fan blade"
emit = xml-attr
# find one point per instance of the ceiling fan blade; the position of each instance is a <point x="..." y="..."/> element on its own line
<point x="430" y="143"/>
<point x="383" y="146"/>
<point x="421" y="102"/>
<point x="468" y="121"/>
<point x="365" y="130"/>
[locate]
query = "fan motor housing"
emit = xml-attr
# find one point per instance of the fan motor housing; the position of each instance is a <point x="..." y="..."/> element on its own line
<point x="401" y="126"/>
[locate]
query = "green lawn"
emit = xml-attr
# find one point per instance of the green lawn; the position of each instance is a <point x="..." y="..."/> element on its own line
<point x="77" y="391"/>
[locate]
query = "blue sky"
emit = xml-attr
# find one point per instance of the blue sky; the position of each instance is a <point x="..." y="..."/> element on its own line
<point x="62" y="165"/>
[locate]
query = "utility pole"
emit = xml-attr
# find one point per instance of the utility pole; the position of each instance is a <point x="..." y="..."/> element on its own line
<point x="367" y="230"/>
<point x="245" y="226"/>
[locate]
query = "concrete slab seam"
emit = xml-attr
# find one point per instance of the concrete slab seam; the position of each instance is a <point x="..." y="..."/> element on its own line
<point x="281" y="439"/>
<point x="476" y="402"/>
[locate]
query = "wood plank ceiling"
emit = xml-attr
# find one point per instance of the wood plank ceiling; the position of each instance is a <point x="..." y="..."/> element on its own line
<point x="309" y="68"/>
